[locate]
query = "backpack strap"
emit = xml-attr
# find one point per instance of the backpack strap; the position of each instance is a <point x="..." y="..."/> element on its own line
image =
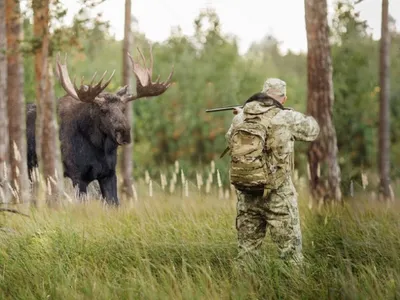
<point x="261" y="97"/>
<point x="271" y="114"/>
<point x="225" y="151"/>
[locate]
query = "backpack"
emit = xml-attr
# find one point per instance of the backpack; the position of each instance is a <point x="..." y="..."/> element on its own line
<point x="249" y="168"/>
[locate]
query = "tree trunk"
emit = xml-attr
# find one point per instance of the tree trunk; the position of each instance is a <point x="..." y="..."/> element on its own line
<point x="16" y="103"/>
<point x="40" y="32"/>
<point x="384" y="113"/>
<point x="50" y="145"/>
<point x="127" y="150"/>
<point x="3" y="103"/>
<point x="322" y="154"/>
<point x="45" y="122"/>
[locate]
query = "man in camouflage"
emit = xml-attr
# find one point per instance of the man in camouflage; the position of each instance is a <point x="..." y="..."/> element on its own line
<point x="275" y="207"/>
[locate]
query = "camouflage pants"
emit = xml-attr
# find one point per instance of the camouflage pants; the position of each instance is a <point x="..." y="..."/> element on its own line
<point x="277" y="211"/>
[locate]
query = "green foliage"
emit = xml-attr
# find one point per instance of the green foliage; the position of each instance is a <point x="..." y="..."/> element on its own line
<point x="169" y="248"/>
<point x="355" y="76"/>
<point x="356" y="82"/>
<point x="209" y="72"/>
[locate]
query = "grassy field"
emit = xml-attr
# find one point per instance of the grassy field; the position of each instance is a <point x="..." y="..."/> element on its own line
<point x="164" y="247"/>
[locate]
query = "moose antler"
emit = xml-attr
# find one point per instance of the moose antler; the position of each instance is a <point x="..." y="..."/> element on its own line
<point x="85" y="93"/>
<point x="144" y="85"/>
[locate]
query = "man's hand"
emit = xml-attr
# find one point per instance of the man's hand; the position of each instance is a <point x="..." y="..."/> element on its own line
<point x="237" y="110"/>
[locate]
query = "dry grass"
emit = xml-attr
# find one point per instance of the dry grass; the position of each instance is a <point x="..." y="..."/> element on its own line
<point x="182" y="245"/>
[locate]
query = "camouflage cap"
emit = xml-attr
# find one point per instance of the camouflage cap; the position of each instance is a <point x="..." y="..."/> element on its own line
<point x="274" y="87"/>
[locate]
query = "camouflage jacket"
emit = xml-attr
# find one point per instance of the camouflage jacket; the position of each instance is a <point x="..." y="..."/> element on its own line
<point x="285" y="127"/>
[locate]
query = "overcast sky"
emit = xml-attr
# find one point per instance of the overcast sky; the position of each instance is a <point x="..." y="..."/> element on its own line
<point x="249" y="20"/>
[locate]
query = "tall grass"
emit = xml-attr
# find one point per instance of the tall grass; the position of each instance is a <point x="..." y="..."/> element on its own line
<point x="177" y="247"/>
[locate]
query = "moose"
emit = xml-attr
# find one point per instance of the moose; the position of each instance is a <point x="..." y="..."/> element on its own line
<point x="93" y="124"/>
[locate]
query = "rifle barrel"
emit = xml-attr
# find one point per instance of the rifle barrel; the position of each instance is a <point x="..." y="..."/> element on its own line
<point x="223" y="108"/>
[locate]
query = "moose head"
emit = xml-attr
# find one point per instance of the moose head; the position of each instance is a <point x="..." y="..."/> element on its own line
<point x="108" y="109"/>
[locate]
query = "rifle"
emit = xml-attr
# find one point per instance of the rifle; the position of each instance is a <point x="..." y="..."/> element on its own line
<point x="223" y="108"/>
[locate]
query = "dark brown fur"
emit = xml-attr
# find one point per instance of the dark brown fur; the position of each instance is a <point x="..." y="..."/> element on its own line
<point x="89" y="134"/>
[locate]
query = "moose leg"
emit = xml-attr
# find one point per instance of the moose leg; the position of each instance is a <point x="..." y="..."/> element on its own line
<point x="82" y="187"/>
<point x="108" y="187"/>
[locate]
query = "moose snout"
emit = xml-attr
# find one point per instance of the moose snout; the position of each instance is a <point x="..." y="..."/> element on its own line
<point x="123" y="137"/>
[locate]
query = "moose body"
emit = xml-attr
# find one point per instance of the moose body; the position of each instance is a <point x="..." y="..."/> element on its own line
<point x="92" y="126"/>
<point x="88" y="146"/>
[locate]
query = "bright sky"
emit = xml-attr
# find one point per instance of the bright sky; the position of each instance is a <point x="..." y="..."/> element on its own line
<point x="249" y="20"/>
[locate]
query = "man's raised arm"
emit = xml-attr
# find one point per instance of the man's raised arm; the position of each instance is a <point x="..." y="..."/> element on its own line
<point x="303" y="128"/>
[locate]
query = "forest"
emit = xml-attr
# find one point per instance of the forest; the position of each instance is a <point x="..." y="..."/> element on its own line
<point x="174" y="235"/>
<point x="219" y="76"/>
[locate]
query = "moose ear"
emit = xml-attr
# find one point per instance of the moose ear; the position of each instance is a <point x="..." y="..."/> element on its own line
<point x="122" y="91"/>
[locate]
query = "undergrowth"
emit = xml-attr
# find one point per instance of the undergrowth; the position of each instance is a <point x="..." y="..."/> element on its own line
<point x="184" y="248"/>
